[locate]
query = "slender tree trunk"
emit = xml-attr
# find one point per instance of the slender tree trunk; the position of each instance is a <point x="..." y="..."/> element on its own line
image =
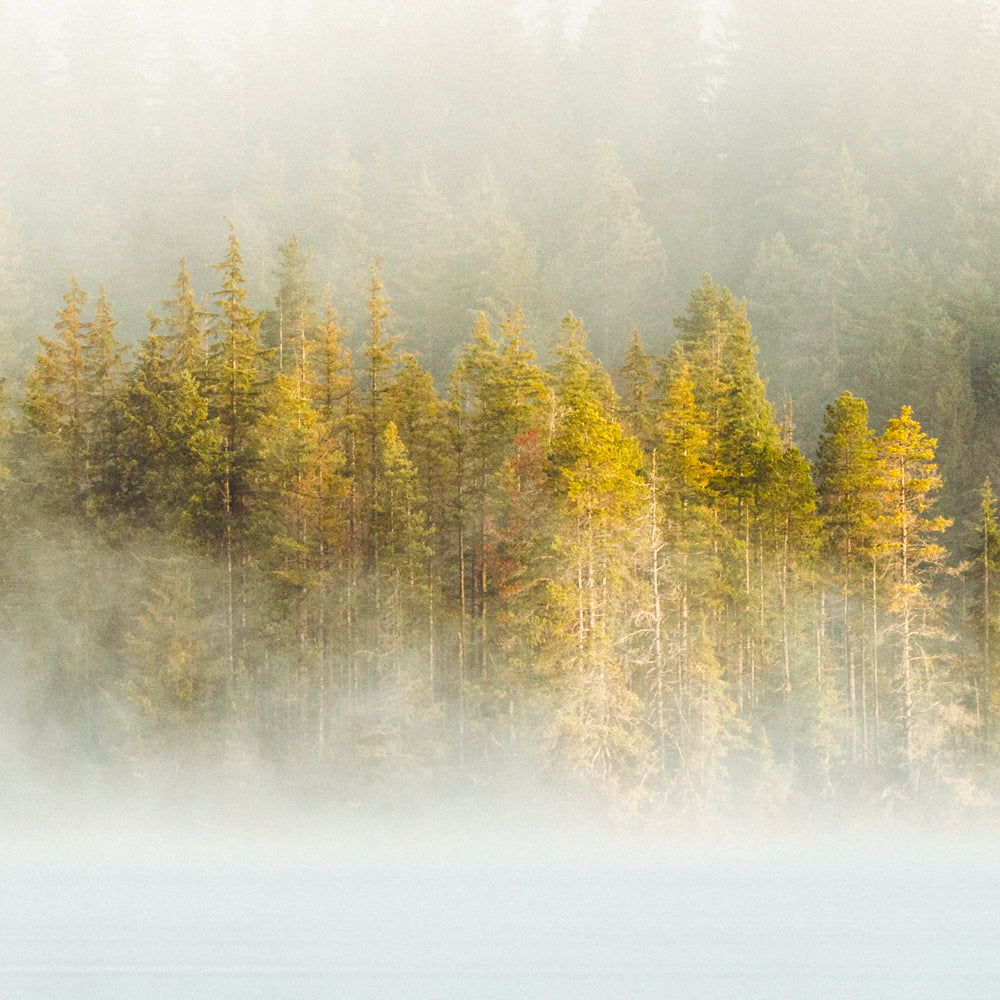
<point x="785" y="644"/>
<point x="684" y="645"/>
<point x="820" y="635"/>
<point x="987" y="667"/>
<point x="658" y="660"/>
<point x="230" y="583"/>
<point x="865" y="734"/>
<point x="850" y="668"/>
<point x="431" y="644"/>
<point x="876" y="715"/>
<point x="462" y="620"/>
<point x="479" y="593"/>
<point x="748" y="602"/>
<point x="906" y="625"/>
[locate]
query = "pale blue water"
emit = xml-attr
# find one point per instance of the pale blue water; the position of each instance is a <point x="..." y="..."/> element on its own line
<point x="845" y="922"/>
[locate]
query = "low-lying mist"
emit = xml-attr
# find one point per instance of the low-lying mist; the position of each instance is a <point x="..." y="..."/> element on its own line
<point x="447" y="673"/>
<point x="106" y="742"/>
<point x="158" y="859"/>
<point x="267" y="906"/>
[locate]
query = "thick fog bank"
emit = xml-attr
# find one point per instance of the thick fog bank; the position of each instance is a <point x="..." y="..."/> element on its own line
<point x="231" y="883"/>
<point x="258" y="814"/>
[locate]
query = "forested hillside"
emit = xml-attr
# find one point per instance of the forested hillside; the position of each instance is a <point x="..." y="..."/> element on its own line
<point x="451" y="460"/>
<point x="244" y="537"/>
<point x="835" y="164"/>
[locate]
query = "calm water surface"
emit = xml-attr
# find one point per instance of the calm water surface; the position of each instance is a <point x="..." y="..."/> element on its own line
<point x="846" y="921"/>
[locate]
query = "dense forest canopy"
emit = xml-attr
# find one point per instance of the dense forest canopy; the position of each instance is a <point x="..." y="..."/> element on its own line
<point x="241" y="536"/>
<point x="479" y="463"/>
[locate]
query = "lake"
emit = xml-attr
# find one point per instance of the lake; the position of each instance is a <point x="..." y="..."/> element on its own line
<point x="422" y="916"/>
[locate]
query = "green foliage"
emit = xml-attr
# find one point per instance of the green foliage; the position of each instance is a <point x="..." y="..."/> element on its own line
<point x="163" y="451"/>
<point x="636" y="383"/>
<point x="67" y="400"/>
<point x="176" y="671"/>
<point x="652" y="596"/>
<point x="908" y="481"/>
<point x="847" y="478"/>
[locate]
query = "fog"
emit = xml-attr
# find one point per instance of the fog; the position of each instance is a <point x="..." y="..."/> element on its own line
<point x="343" y="914"/>
<point x="238" y="881"/>
<point x="830" y="162"/>
<point x="833" y="163"/>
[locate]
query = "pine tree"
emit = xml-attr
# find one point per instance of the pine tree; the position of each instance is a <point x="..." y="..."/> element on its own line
<point x="794" y="538"/>
<point x="287" y="436"/>
<point x="420" y="419"/>
<point x="702" y="334"/>
<point x="683" y="446"/>
<point x="337" y="490"/>
<point x="381" y="361"/>
<point x="500" y="400"/>
<point x="104" y="366"/>
<point x="413" y="406"/>
<point x="984" y="610"/>
<point x="636" y="382"/>
<point x="176" y="675"/>
<point x="233" y="383"/>
<point x="910" y="479"/>
<point x="848" y="481"/>
<point x="613" y="263"/>
<point x="294" y="304"/>
<point x="597" y="487"/>
<point x="743" y="450"/>
<point x="55" y="408"/>
<point x="686" y="521"/>
<point x="989" y="562"/>
<point x="184" y="323"/>
<point x="163" y="451"/>
<point x="68" y="395"/>
<point x="405" y="537"/>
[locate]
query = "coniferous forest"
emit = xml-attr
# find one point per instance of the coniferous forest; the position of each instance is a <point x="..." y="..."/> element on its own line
<point x="370" y="414"/>
<point x="640" y="589"/>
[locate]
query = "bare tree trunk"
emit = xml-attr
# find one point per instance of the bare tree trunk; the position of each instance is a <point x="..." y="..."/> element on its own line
<point x="462" y="619"/>
<point x="987" y="668"/>
<point x="875" y="704"/>
<point x="850" y="669"/>
<point x="658" y="664"/>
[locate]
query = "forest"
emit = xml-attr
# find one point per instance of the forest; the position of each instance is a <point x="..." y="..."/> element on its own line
<point x="632" y="586"/>
<point x="382" y="403"/>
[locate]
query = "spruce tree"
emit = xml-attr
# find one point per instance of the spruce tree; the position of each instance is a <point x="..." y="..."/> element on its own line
<point x="234" y="386"/>
<point x="909" y="482"/>
<point x="295" y="302"/>
<point x="67" y="400"/>
<point x="848" y="478"/>
<point x="984" y="570"/>
<point x="636" y="382"/>
<point x="598" y="493"/>
<point x="685" y="518"/>
<point x="104" y="366"/>
<point x="55" y="410"/>
<point x="405" y="542"/>
<point x="338" y="494"/>
<point x="380" y="364"/>
<point x="185" y="327"/>
<point x="163" y="450"/>
<point x="743" y="450"/>
<point x="500" y="401"/>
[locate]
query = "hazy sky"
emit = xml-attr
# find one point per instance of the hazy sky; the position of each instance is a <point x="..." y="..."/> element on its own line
<point x="213" y="11"/>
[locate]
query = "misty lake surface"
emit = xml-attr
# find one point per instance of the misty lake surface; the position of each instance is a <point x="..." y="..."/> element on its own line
<point x="846" y="920"/>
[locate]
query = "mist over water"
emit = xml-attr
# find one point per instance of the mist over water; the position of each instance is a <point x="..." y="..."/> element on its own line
<point x="158" y="844"/>
<point x="239" y="879"/>
<point x="428" y="912"/>
<point x="239" y="893"/>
